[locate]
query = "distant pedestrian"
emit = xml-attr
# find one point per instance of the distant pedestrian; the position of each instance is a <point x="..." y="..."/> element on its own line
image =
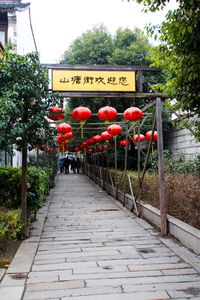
<point x="66" y="165"/>
<point x="61" y="165"/>
<point x="78" y="165"/>
<point x="73" y="165"/>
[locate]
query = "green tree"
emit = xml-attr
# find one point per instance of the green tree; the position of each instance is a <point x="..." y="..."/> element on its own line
<point x="130" y="48"/>
<point x="178" y="55"/>
<point x="24" y="100"/>
<point x="93" y="47"/>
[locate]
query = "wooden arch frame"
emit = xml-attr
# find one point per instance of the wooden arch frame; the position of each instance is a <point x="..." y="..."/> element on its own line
<point x="138" y="93"/>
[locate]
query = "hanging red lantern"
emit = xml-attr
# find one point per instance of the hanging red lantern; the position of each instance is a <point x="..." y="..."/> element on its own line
<point x="123" y="143"/>
<point x="69" y="135"/>
<point x="55" y="113"/>
<point x="106" y="136"/>
<point x="97" y="138"/>
<point x="136" y="138"/>
<point x="107" y="113"/>
<point x="81" y="114"/>
<point x="132" y="114"/>
<point x="149" y="134"/>
<point x="91" y="150"/>
<point x="114" y="129"/>
<point x="64" y="128"/>
<point x="48" y="149"/>
<point x="100" y="148"/>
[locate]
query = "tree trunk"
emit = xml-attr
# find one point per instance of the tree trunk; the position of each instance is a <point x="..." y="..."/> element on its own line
<point x="24" y="215"/>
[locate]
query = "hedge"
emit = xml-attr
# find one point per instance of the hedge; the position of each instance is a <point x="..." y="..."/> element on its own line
<point x="10" y="187"/>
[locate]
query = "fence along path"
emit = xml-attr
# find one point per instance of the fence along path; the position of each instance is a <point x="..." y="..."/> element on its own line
<point x="86" y="246"/>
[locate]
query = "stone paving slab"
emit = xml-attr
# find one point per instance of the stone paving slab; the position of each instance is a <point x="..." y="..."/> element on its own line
<point x="86" y="246"/>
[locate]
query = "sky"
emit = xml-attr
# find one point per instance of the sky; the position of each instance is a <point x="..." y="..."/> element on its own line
<point x="57" y="24"/>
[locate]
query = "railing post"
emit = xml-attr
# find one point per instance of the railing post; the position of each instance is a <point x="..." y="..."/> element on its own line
<point x="163" y="214"/>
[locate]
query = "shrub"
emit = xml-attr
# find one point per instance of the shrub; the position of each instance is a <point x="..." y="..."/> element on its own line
<point x="10" y="224"/>
<point x="10" y="186"/>
<point x="38" y="183"/>
<point x="174" y="164"/>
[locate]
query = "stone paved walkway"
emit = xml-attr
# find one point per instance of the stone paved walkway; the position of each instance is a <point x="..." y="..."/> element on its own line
<point x="86" y="246"/>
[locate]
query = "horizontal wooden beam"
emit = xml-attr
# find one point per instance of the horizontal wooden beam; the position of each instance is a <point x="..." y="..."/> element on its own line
<point x="102" y="67"/>
<point x="110" y="95"/>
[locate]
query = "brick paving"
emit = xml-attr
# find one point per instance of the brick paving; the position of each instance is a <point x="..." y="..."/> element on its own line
<point x="86" y="246"/>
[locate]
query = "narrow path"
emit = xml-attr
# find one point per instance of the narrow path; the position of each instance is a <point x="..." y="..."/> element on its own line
<point x="91" y="248"/>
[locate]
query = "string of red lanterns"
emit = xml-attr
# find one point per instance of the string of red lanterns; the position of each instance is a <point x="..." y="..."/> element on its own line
<point x="107" y="113"/>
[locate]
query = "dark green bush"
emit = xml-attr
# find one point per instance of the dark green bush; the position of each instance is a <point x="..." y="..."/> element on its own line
<point x="10" y="187"/>
<point x="38" y="183"/>
<point x="10" y="224"/>
<point x="174" y="164"/>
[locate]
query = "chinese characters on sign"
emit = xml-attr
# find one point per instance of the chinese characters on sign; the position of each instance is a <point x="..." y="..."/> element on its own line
<point x="79" y="80"/>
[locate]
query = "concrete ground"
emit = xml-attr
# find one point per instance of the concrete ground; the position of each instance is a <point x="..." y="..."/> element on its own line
<point x="86" y="246"/>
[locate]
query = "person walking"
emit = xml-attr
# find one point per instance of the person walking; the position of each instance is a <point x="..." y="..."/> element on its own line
<point x="78" y="164"/>
<point x="66" y="165"/>
<point x="61" y="165"/>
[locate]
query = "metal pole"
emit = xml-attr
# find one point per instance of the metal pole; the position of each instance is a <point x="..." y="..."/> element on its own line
<point x="163" y="214"/>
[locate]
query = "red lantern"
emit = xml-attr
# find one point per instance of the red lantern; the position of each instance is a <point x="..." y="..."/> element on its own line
<point x="136" y="138"/>
<point x="149" y="134"/>
<point x="132" y="114"/>
<point x="48" y="149"/>
<point x="56" y="113"/>
<point x="124" y="143"/>
<point x="91" y="150"/>
<point x="69" y="135"/>
<point x="106" y="136"/>
<point x="107" y="113"/>
<point x="64" y="128"/>
<point x="81" y="114"/>
<point x="97" y="138"/>
<point x="114" y="129"/>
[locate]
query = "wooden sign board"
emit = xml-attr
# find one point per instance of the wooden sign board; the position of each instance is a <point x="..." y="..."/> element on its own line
<point x="93" y="81"/>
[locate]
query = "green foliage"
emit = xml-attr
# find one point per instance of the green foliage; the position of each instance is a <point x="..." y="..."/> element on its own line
<point x="10" y="185"/>
<point x="10" y="224"/>
<point x="93" y="47"/>
<point x="22" y="107"/>
<point x="178" y="54"/>
<point x="174" y="165"/>
<point x="130" y="48"/>
<point x="38" y="183"/>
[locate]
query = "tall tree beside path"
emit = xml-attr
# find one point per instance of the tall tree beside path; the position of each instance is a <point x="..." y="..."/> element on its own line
<point x="178" y="55"/>
<point x="24" y="100"/>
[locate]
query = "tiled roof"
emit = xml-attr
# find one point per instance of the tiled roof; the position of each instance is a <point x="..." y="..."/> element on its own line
<point x="12" y="6"/>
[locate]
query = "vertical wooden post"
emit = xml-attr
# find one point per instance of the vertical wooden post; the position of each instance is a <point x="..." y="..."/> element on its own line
<point x="139" y="158"/>
<point x="163" y="214"/>
<point x="24" y="215"/>
<point x="139" y="81"/>
<point x="126" y="149"/>
<point x="115" y="153"/>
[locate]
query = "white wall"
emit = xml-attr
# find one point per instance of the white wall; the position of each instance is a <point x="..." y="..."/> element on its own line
<point x="25" y="41"/>
<point x="181" y="143"/>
